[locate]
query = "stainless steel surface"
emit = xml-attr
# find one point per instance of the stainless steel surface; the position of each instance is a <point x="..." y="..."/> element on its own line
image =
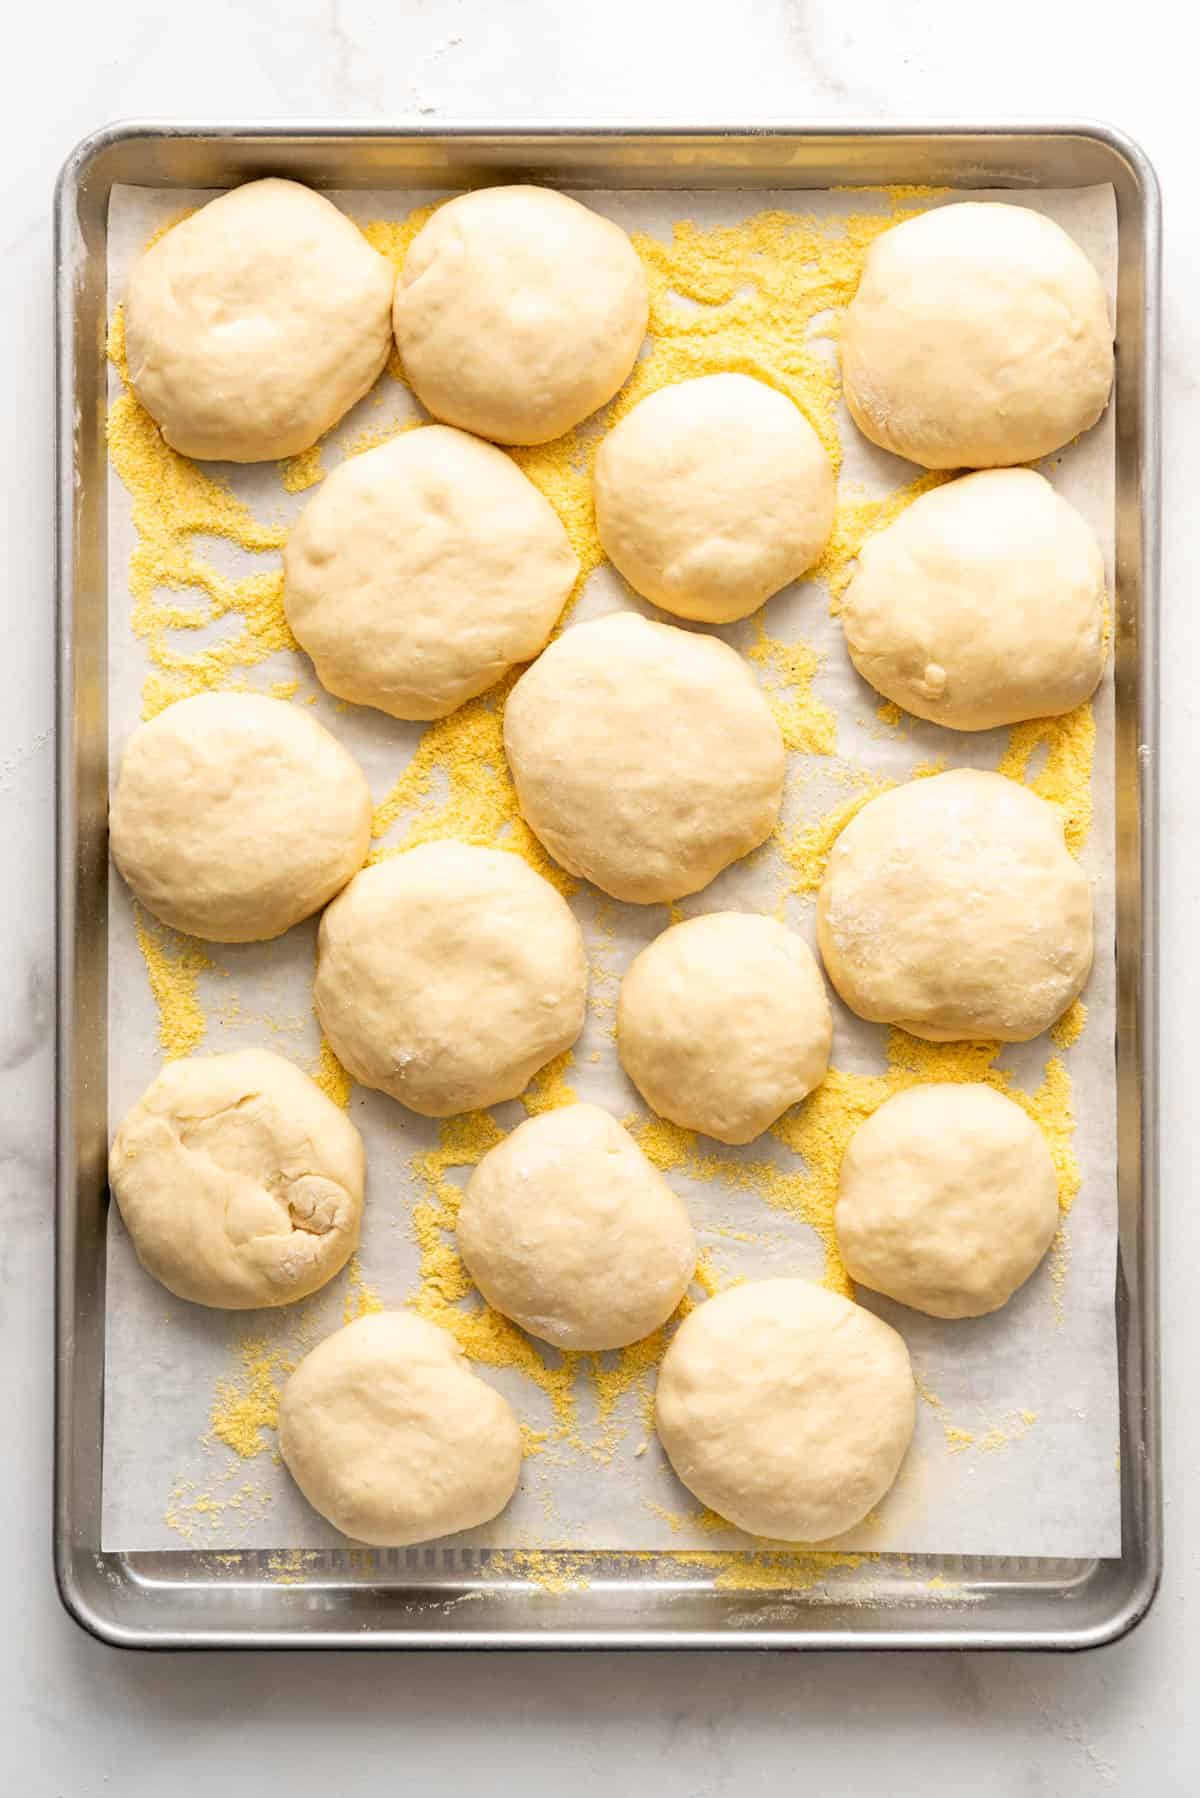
<point x="406" y="1598"/>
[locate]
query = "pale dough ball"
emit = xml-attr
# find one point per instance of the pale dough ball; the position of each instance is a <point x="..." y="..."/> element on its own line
<point x="952" y="907"/>
<point x="712" y="495"/>
<point x="785" y="1408"/>
<point x="236" y="815"/>
<point x="240" y="1183"/>
<point x="567" y="1228"/>
<point x="979" y="337"/>
<point x="724" y="1022"/>
<point x="421" y="571"/>
<point x="948" y="1199"/>
<point x="983" y="604"/>
<point x="645" y="757"/>
<point x="254" y="325"/>
<point x="448" y="975"/>
<point x="391" y="1436"/>
<point x="518" y="312"/>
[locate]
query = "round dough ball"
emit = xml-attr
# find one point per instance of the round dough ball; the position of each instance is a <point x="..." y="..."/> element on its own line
<point x="948" y="1199"/>
<point x="240" y="1183"/>
<point x="713" y="494"/>
<point x="236" y="815"/>
<point x="391" y="1436"/>
<point x="645" y="757"/>
<point x="420" y="572"/>
<point x="983" y="604"/>
<point x="257" y="323"/>
<point x="786" y="1408"/>
<point x="518" y="312"/>
<point x="723" y="1023"/>
<point x="567" y="1228"/>
<point x="952" y="907"/>
<point x="447" y="976"/>
<point x="979" y="337"/>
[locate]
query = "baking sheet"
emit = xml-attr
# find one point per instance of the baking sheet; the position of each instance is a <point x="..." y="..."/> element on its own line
<point x="1015" y="1452"/>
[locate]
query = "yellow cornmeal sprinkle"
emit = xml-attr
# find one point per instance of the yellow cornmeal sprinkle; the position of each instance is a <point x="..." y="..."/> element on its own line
<point x="360" y="1298"/>
<point x="174" y="964"/>
<point x="806" y="850"/>
<point x="248" y="1404"/>
<point x="331" y="1076"/>
<point x="555" y="1572"/>
<point x="805" y="722"/>
<point x="1070" y="1027"/>
<point x="769" y="1572"/>
<point x="188" y="1509"/>
<point x="859" y="517"/>
<point x="1066" y="778"/>
<point x="549" y="1089"/>
<point x="300" y="472"/>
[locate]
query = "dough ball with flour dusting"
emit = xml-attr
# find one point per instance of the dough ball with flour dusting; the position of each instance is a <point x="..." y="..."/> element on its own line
<point x="786" y="1408"/>
<point x="393" y="1438"/>
<point x="947" y="1199"/>
<point x="236" y="815"/>
<point x="724" y="1022"/>
<point x="518" y="312"/>
<point x="448" y="975"/>
<point x="239" y="1182"/>
<point x="255" y="324"/>
<point x="952" y="907"/>
<point x="979" y="337"/>
<point x="645" y="757"/>
<point x="421" y="571"/>
<point x="567" y="1228"/>
<point x="712" y="494"/>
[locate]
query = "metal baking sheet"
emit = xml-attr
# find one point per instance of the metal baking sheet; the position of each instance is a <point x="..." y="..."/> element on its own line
<point x="411" y="1592"/>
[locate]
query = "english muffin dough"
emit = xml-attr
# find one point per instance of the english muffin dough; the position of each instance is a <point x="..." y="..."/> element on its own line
<point x="645" y="757"/>
<point x="567" y="1228"/>
<point x="713" y="494"/>
<point x="420" y="572"/>
<point x="983" y="604"/>
<point x="254" y="325"/>
<point x="239" y="1182"/>
<point x="723" y="1022"/>
<point x="391" y="1436"/>
<point x="236" y="815"/>
<point x="948" y="1199"/>
<point x="518" y="312"/>
<point x="786" y="1408"/>
<point x="448" y="975"/>
<point x="952" y="907"/>
<point x="979" y="337"/>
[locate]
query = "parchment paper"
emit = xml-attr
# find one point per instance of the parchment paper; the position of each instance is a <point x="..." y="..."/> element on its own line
<point x="1035" y="1385"/>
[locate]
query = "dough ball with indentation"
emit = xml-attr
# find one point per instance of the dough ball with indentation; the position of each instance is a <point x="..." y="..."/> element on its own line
<point x="518" y="312"/>
<point x="724" y="1022"/>
<point x="786" y="1408"/>
<point x="645" y="757"/>
<point x="236" y="815"/>
<point x="448" y="975"/>
<point x="255" y="324"/>
<point x="947" y="1200"/>
<point x="979" y="337"/>
<point x="391" y="1436"/>
<point x="713" y="494"/>
<point x="420" y="572"/>
<point x="567" y="1228"/>
<point x="952" y="907"/>
<point x="983" y="604"/>
<point x="240" y="1183"/>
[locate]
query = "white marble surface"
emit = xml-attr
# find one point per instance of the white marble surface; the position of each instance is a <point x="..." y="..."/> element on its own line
<point x="77" y="1719"/>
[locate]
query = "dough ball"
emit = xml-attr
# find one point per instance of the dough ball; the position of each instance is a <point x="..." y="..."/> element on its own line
<point x="952" y="907"/>
<point x="982" y="604"/>
<point x="421" y="571"/>
<point x="979" y="337"/>
<point x="785" y="1408"/>
<point x="567" y="1228"/>
<point x="240" y="1183"/>
<point x="645" y="757"/>
<point x="447" y="976"/>
<point x="948" y="1200"/>
<point x="391" y="1436"/>
<point x="713" y="494"/>
<point x="236" y="815"/>
<point x="723" y="1023"/>
<point x="257" y="323"/>
<point x="518" y="312"/>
